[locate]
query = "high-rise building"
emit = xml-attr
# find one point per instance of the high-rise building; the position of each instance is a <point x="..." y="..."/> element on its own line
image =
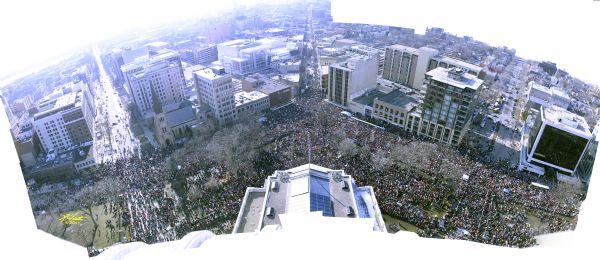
<point x="305" y="189"/>
<point x="215" y="89"/>
<point x="555" y="141"/>
<point x="448" y="104"/>
<point x="161" y="72"/>
<point x="586" y="163"/>
<point x="65" y="121"/>
<point x="407" y="65"/>
<point x="352" y="78"/>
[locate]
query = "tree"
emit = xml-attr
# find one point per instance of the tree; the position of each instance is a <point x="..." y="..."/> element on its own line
<point x="90" y="196"/>
<point x="348" y="148"/>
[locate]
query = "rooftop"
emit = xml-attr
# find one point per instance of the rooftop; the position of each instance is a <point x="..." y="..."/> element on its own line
<point x="305" y="189"/>
<point x="247" y="97"/>
<point x="402" y="99"/>
<point x="560" y="93"/>
<point x="566" y="120"/>
<point x="179" y="113"/>
<point x="254" y="204"/>
<point x="402" y="48"/>
<point x="368" y="97"/>
<point x="539" y="87"/>
<point x="351" y="63"/>
<point x="460" y="63"/>
<point x="211" y="73"/>
<point x="455" y="77"/>
<point x="63" y="102"/>
<point x="149" y="61"/>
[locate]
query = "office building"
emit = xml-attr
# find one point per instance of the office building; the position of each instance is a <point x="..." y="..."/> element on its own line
<point x="351" y="78"/>
<point x="304" y="190"/>
<point x="161" y="72"/>
<point x="554" y="141"/>
<point x="448" y="105"/>
<point x="215" y="89"/>
<point x="586" y="163"/>
<point x="400" y="108"/>
<point x="406" y="65"/>
<point x="252" y="102"/>
<point x="64" y="122"/>
<point x="540" y="95"/>
<point x="242" y="57"/>
<point x="447" y="62"/>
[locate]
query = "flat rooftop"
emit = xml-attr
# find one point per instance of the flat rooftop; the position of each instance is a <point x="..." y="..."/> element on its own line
<point x="209" y="73"/>
<point x="464" y="81"/>
<point x="305" y="189"/>
<point x="368" y="97"/>
<point x="402" y="48"/>
<point x="66" y="101"/>
<point x="247" y="97"/>
<point x="540" y="87"/>
<point x="149" y="61"/>
<point x="401" y="99"/>
<point x="560" y="117"/>
<point x="352" y="62"/>
<point x="251" y="211"/>
<point x="460" y="63"/>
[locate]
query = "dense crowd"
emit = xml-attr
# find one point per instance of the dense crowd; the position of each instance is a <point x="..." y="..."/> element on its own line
<point x="414" y="180"/>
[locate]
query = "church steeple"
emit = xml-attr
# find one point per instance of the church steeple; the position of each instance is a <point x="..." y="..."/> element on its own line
<point x="156" y="106"/>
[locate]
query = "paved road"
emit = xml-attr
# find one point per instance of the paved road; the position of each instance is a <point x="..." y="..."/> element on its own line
<point x="115" y="138"/>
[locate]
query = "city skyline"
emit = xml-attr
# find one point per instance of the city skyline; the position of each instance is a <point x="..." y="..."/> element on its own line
<point x="254" y="119"/>
<point x="62" y="36"/>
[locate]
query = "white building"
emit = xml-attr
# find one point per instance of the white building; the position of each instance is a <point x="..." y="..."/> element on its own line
<point x="447" y="62"/>
<point x="66" y="121"/>
<point x="560" y="98"/>
<point x="540" y="95"/>
<point x="251" y="102"/>
<point x="352" y="78"/>
<point x="161" y="71"/>
<point x="554" y="140"/>
<point x="407" y="65"/>
<point x="215" y="88"/>
<point x="307" y="189"/>
<point x="242" y="57"/>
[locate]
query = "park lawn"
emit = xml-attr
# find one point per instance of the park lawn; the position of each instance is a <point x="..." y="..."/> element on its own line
<point x="80" y="233"/>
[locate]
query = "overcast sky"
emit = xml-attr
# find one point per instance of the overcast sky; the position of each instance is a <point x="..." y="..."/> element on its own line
<point x="34" y="32"/>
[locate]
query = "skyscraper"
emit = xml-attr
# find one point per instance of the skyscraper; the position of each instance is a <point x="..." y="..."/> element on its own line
<point x="215" y="89"/>
<point x="556" y="141"/>
<point x="586" y="163"/>
<point x="448" y="104"/>
<point x="162" y="72"/>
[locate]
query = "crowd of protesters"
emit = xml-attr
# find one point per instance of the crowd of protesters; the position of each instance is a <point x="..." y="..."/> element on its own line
<point x="439" y="190"/>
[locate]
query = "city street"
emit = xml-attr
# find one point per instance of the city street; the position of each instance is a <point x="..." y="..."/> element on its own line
<point x="113" y="136"/>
